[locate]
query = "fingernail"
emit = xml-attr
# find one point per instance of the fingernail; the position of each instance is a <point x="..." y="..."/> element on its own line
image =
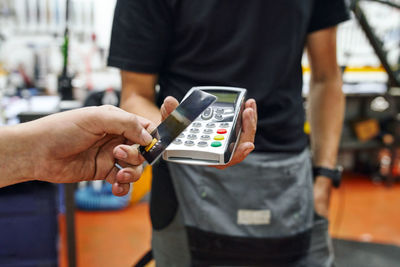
<point x="120" y="153"/>
<point x="146" y="137"/>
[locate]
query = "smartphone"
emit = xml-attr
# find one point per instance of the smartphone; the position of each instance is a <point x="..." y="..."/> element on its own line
<point x="194" y="104"/>
<point x="212" y="137"/>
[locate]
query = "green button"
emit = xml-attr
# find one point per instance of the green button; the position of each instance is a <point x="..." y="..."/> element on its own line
<point x="216" y="144"/>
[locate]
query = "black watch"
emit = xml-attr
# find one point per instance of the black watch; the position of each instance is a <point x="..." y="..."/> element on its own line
<point x="334" y="174"/>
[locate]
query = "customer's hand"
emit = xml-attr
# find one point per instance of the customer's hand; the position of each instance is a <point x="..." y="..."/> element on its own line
<point x="82" y="145"/>
<point x="249" y="127"/>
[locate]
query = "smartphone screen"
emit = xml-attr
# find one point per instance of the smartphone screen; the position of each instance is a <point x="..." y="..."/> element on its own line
<point x="190" y="108"/>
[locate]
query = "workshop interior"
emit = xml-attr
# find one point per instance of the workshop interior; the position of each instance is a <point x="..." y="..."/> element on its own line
<point x="53" y="57"/>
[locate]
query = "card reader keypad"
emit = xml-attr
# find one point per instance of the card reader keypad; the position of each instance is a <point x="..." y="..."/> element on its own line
<point x="208" y="130"/>
<point x="195" y="130"/>
<point x="219" y="117"/>
<point x="189" y="143"/>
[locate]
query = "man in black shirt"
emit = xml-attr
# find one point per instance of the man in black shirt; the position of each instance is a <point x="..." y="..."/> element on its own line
<point x="257" y="45"/>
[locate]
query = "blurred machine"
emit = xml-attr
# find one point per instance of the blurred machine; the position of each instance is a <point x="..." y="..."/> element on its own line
<point x="373" y="116"/>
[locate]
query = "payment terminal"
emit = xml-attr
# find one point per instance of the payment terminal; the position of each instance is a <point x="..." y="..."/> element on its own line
<point x="212" y="137"/>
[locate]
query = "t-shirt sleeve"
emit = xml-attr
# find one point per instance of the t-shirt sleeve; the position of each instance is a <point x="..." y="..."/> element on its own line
<point x="140" y="36"/>
<point x="327" y="13"/>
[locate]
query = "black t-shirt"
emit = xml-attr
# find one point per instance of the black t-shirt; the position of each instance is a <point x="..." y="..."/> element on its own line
<point x="256" y="44"/>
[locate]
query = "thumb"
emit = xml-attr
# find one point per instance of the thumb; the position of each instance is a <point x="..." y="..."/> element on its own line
<point x="169" y="105"/>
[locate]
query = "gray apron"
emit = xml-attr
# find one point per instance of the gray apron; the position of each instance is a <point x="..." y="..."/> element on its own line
<point x="268" y="195"/>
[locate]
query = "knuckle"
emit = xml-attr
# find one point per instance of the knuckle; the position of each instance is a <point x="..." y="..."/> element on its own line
<point x="108" y="107"/>
<point x="133" y="119"/>
<point x="133" y="157"/>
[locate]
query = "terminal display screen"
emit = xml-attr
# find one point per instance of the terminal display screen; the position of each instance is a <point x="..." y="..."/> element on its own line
<point x="225" y="97"/>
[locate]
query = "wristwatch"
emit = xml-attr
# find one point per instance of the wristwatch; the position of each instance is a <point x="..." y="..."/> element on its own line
<point x="334" y="174"/>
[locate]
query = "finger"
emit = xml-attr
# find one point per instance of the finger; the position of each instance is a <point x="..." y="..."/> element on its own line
<point x="242" y="151"/>
<point x="128" y="154"/>
<point x="129" y="174"/>
<point x="147" y="124"/>
<point x="169" y="105"/>
<point x="111" y="177"/>
<point x="120" y="190"/>
<point x="249" y="128"/>
<point x="251" y="103"/>
<point x="113" y="120"/>
<point x="249" y="125"/>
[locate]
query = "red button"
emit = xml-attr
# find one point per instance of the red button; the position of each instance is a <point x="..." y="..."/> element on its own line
<point x="221" y="131"/>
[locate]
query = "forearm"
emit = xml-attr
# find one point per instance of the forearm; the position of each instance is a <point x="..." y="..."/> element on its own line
<point x="16" y="156"/>
<point x="138" y="95"/>
<point x="326" y="112"/>
<point x="141" y="106"/>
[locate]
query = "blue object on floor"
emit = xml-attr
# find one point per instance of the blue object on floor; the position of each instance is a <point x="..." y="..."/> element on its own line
<point x="90" y="198"/>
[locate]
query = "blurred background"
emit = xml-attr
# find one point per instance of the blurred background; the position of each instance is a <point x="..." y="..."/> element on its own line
<point x="53" y="57"/>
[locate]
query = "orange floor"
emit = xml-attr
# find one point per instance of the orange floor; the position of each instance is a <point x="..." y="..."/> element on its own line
<point x="364" y="211"/>
<point x="114" y="238"/>
<point x="360" y="210"/>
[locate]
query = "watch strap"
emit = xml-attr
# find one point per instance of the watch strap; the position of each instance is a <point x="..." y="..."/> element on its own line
<point x="334" y="174"/>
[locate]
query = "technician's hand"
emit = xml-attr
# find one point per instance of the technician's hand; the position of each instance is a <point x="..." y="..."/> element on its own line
<point x="249" y="127"/>
<point x="82" y="145"/>
<point x="322" y="193"/>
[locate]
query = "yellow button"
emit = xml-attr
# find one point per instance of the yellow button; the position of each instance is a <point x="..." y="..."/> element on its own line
<point x="219" y="137"/>
<point x="148" y="147"/>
